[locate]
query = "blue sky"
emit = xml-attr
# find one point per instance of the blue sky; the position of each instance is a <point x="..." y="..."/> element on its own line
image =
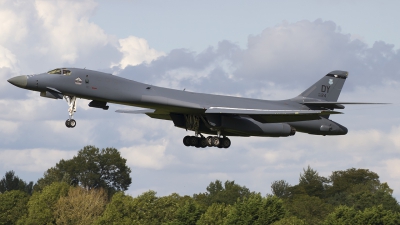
<point x="259" y="49"/>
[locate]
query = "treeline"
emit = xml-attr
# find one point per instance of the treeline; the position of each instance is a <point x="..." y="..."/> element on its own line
<point x="89" y="189"/>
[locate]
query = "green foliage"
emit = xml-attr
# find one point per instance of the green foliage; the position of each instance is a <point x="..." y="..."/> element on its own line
<point x="353" y="196"/>
<point x="118" y="211"/>
<point x="344" y="215"/>
<point x="360" y="188"/>
<point x="309" y="208"/>
<point x="41" y="205"/>
<point x="52" y="175"/>
<point x="216" y="193"/>
<point x="80" y="206"/>
<point x="280" y="188"/>
<point x="291" y="220"/>
<point x="13" y="205"/>
<point x="187" y="213"/>
<point x="11" y="182"/>
<point x="311" y="183"/>
<point x="147" y="208"/>
<point x="91" y="168"/>
<point x="353" y="180"/>
<point x="215" y="214"/>
<point x="256" y="210"/>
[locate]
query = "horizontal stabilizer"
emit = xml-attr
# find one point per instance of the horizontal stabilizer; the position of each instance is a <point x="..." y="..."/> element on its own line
<point x="140" y="111"/>
<point x="274" y="116"/>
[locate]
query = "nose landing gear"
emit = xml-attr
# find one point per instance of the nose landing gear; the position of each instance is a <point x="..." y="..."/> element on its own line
<point x="71" y="100"/>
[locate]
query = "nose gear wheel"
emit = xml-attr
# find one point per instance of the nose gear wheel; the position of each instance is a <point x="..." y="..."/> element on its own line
<point x="70" y="123"/>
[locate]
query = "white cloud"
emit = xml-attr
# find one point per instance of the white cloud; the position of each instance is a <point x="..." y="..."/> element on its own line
<point x="32" y="160"/>
<point x="8" y="127"/>
<point x="13" y="26"/>
<point x="136" y="51"/>
<point x="68" y="30"/>
<point x="7" y="58"/>
<point x="148" y="156"/>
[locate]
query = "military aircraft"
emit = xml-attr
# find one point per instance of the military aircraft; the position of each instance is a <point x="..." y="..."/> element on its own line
<point x="218" y="115"/>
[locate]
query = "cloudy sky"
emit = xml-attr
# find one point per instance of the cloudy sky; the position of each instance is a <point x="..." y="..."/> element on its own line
<point x="259" y="49"/>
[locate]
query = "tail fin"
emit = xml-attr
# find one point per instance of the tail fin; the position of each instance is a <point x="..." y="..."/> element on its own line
<point x="327" y="88"/>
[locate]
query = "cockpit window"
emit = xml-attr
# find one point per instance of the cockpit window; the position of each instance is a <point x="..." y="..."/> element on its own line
<point x="66" y="72"/>
<point x="55" y="71"/>
<point x="60" y="71"/>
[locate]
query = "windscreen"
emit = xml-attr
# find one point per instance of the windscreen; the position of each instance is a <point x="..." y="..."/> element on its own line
<point x="60" y="71"/>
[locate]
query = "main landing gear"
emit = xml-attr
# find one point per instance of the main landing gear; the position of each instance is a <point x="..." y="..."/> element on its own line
<point x="71" y="100"/>
<point x="199" y="141"/>
<point x="210" y="141"/>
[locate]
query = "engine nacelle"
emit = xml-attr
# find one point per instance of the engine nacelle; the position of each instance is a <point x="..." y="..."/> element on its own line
<point x="249" y="127"/>
<point x="277" y="129"/>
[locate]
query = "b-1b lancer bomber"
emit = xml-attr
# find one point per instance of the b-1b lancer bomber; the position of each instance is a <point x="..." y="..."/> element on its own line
<point x="217" y="115"/>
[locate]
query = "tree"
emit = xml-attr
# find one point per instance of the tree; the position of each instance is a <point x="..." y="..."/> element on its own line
<point x="12" y="206"/>
<point x="256" y="210"/>
<point x="118" y="211"/>
<point x="374" y="215"/>
<point x="366" y="199"/>
<point x="354" y="180"/>
<point x="311" y="209"/>
<point x="187" y="213"/>
<point x="50" y="176"/>
<point x="147" y="208"/>
<point x="91" y="168"/>
<point x="80" y="206"/>
<point x="41" y="205"/>
<point x="11" y="182"/>
<point x="215" y="214"/>
<point x="291" y="220"/>
<point x="280" y="188"/>
<point x="360" y="188"/>
<point x="216" y="193"/>
<point x="312" y="183"/>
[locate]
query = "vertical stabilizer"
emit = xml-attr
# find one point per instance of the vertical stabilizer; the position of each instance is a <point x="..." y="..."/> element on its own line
<point x="328" y="88"/>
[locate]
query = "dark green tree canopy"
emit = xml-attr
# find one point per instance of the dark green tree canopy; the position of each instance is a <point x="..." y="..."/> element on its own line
<point x="345" y="181"/>
<point x="13" y="205"/>
<point x="12" y="182"/>
<point x="218" y="193"/>
<point x="312" y="183"/>
<point x="280" y="188"/>
<point x="91" y="168"/>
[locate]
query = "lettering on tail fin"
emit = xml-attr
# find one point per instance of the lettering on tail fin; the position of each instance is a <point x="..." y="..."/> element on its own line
<point x="324" y="91"/>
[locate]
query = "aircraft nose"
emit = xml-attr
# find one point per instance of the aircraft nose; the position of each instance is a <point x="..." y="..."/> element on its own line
<point x="19" y="81"/>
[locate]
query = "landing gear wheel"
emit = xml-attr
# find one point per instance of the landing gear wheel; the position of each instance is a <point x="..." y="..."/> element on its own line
<point x="203" y="142"/>
<point x="225" y="142"/>
<point x="186" y="141"/>
<point x="209" y="141"/>
<point x="67" y="124"/>
<point x="193" y="140"/>
<point x="72" y="123"/>
<point x="215" y="141"/>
